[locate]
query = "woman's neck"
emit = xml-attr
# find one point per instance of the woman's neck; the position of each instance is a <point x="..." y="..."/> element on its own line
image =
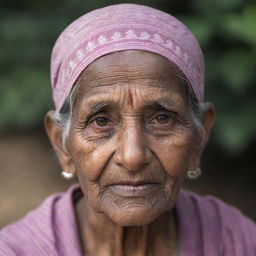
<point x="100" y="236"/>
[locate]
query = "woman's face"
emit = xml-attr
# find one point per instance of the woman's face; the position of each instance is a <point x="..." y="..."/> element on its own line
<point x="132" y="136"/>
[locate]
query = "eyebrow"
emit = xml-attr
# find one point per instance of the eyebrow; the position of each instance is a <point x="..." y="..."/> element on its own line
<point x="165" y="103"/>
<point x="162" y="102"/>
<point x="100" y="105"/>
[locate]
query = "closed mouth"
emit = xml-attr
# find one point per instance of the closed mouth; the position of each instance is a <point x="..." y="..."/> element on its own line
<point x="134" y="189"/>
<point x="134" y="183"/>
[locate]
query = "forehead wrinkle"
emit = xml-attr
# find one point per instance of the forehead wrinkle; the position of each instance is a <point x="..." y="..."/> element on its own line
<point x="125" y="74"/>
<point x="96" y="104"/>
<point x="112" y="77"/>
<point x="123" y="68"/>
<point x="106" y="95"/>
<point x="148" y="85"/>
<point x="97" y="84"/>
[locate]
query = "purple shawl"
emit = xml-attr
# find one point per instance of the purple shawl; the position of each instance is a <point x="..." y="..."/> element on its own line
<point x="207" y="226"/>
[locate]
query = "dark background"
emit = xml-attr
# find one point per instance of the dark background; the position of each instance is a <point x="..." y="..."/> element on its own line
<point x="226" y="30"/>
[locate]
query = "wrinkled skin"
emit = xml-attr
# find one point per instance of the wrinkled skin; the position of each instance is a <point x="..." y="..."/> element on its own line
<point x="133" y="136"/>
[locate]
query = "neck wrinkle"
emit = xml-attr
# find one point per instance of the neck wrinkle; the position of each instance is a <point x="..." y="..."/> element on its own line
<point x="100" y="236"/>
<point x="119" y="250"/>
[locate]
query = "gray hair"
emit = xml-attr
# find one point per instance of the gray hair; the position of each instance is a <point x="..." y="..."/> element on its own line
<point x="63" y="117"/>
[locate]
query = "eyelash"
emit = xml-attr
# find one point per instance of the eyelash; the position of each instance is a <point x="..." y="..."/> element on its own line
<point x="172" y="115"/>
<point x="94" y="117"/>
<point x="169" y="114"/>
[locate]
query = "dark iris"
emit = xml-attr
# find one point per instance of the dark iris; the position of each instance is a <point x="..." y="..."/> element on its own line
<point x="162" y="119"/>
<point x="101" y="121"/>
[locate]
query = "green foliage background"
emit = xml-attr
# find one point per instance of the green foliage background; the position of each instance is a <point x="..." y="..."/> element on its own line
<point x="226" y="30"/>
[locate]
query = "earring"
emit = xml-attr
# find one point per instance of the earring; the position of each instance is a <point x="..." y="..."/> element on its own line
<point x="194" y="174"/>
<point x="67" y="175"/>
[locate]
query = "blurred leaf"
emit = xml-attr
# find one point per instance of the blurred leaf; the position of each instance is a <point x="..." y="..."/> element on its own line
<point x="201" y="27"/>
<point x="231" y="131"/>
<point x="237" y="69"/>
<point x="214" y="7"/>
<point x="23" y="99"/>
<point x="242" y="26"/>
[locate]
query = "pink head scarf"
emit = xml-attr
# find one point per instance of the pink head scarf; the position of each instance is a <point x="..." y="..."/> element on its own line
<point x="123" y="27"/>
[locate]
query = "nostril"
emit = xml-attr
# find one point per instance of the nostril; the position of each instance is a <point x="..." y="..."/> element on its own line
<point x="132" y="169"/>
<point x="140" y="168"/>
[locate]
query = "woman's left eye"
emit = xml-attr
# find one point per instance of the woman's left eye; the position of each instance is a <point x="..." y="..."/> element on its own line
<point x="162" y="119"/>
<point x="101" y="121"/>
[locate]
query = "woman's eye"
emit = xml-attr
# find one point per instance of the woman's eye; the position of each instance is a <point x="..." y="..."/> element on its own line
<point x="162" y="119"/>
<point x="101" y="121"/>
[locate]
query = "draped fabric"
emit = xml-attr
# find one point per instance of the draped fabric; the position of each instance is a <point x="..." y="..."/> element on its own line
<point x="206" y="227"/>
<point x="118" y="28"/>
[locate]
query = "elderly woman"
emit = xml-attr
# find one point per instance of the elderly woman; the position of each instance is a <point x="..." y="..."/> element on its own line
<point x="130" y="123"/>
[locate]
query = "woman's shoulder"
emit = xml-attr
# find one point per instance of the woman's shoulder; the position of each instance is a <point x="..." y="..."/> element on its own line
<point x="209" y="205"/>
<point x="35" y="234"/>
<point x="218" y="223"/>
<point x="33" y="230"/>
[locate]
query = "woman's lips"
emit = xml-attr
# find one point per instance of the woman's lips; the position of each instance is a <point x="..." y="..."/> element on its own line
<point x="129" y="190"/>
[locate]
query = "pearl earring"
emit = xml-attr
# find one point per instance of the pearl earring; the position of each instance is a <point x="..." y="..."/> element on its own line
<point x="194" y="174"/>
<point x="67" y="175"/>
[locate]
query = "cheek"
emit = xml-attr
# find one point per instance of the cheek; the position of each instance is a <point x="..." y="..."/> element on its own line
<point x="173" y="153"/>
<point x="91" y="158"/>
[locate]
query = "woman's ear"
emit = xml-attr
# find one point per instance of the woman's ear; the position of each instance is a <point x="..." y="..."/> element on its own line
<point x="54" y="132"/>
<point x="207" y="120"/>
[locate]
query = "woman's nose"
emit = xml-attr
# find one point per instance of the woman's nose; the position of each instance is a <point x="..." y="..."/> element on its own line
<point x="133" y="152"/>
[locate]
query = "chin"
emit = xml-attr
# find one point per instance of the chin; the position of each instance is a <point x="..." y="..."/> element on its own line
<point x="136" y="208"/>
<point x="134" y="215"/>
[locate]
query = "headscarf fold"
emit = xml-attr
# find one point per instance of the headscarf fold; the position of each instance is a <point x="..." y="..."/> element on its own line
<point x="123" y="27"/>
